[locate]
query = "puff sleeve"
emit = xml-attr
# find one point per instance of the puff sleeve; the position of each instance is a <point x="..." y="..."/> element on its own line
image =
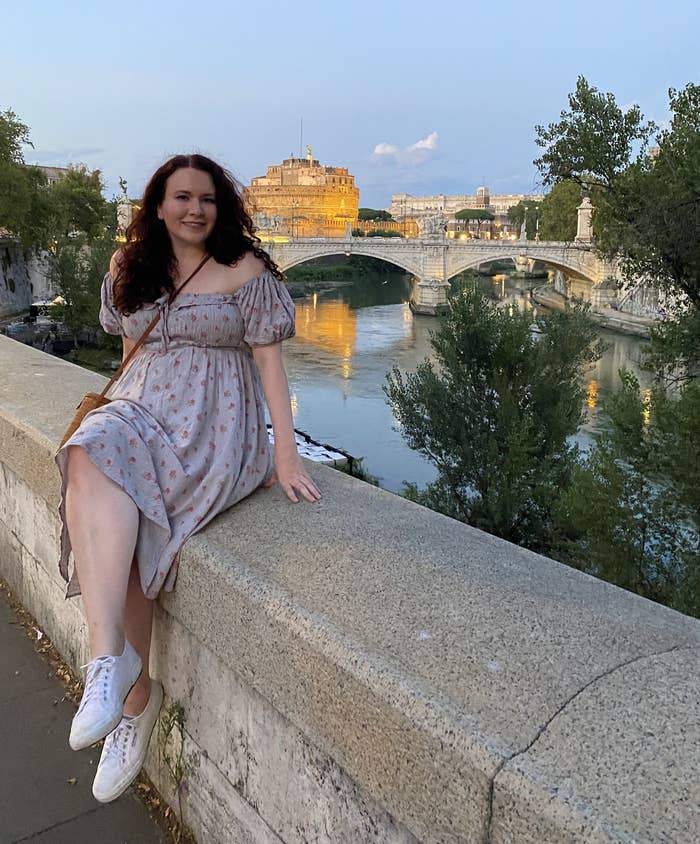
<point x="267" y="309"/>
<point x="110" y="318"/>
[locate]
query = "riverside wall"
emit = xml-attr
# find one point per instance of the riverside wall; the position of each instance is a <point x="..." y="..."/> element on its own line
<point x="365" y="670"/>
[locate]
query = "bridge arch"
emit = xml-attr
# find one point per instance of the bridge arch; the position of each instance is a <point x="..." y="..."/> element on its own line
<point x="570" y="269"/>
<point x="393" y="260"/>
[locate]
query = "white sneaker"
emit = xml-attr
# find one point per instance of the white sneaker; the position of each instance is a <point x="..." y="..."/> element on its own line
<point x="125" y="749"/>
<point x="108" y="681"/>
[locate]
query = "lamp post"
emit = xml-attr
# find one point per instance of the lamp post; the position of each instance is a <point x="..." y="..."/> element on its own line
<point x="295" y="205"/>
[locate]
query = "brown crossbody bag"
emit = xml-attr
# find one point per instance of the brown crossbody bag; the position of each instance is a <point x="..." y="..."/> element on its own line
<point x="91" y="401"/>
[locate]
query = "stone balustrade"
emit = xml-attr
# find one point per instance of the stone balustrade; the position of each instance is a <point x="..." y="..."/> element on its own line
<point x="366" y="670"/>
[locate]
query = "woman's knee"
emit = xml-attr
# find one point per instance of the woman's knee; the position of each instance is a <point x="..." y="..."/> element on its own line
<point x="80" y="470"/>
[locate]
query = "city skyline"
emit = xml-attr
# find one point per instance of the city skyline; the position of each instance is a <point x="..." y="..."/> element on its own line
<point x="409" y="99"/>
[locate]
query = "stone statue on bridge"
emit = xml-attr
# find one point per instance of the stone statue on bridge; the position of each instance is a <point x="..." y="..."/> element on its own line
<point x="432" y="226"/>
<point x="125" y="211"/>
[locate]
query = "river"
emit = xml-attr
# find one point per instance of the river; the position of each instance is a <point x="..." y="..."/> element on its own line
<point x="349" y="338"/>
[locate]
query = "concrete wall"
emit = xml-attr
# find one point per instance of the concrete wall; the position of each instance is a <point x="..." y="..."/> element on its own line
<point x="21" y="281"/>
<point x="366" y="670"/>
<point x="15" y="286"/>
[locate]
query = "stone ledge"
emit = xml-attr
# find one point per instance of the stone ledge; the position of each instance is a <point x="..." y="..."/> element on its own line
<point x="418" y="654"/>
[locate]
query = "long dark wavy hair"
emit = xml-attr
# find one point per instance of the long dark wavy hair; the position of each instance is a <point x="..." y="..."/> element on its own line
<point x="147" y="263"/>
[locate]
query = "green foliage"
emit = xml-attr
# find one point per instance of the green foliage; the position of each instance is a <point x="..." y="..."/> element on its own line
<point x="518" y="213"/>
<point x="559" y="212"/>
<point x="631" y="515"/>
<point x="478" y="214"/>
<point x="77" y="268"/>
<point x="78" y="202"/>
<point x="38" y="214"/>
<point x="593" y="142"/>
<point x="365" y="214"/>
<point x="493" y="414"/>
<point x="383" y="233"/>
<point x="358" y="233"/>
<point x="13" y="136"/>
<point x="647" y="208"/>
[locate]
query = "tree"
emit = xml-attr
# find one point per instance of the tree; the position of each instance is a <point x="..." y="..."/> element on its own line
<point x="517" y="214"/>
<point x="365" y="214"/>
<point x="13" y="136"/>
<point x="480" y="215"/>
<point x="559" y="212"/>
<point x="494" y="412"/>
<point x="79" y="205"/>
<point x="25" y="205"/>
<point x="77" y="268"/>
<point x="633" y="512"/>
<point x="647" y="207"/>
<point x="628" y="519"/>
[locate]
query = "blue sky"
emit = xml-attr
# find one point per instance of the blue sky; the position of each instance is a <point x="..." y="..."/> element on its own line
<point x="448" y="94"/>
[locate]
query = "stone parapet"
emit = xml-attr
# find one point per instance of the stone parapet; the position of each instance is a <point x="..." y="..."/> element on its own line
<point x="364" y="669"/>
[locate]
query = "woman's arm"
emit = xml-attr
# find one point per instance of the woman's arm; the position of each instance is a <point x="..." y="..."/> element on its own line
<point x="288" y="466"/>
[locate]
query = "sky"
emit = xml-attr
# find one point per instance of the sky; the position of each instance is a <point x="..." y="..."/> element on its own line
<point x="417" y="97"/>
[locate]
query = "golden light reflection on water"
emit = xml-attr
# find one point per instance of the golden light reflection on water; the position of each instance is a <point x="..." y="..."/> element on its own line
<point x="592" y="394"/>
<point x="330" y="325"/>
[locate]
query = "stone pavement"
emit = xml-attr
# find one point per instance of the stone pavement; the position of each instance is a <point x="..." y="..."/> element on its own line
<point x="45" y="788"/>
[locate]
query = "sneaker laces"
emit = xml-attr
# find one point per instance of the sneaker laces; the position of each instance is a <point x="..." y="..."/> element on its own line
<point x="117" y="741"/>
<point x="97" y="678"/>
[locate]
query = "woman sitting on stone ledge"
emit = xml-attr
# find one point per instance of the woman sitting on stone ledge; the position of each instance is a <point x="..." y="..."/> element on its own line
<point x="182" y="439"/>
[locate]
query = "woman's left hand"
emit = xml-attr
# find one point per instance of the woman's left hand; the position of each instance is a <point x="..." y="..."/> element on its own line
<point x="289" y="471"/>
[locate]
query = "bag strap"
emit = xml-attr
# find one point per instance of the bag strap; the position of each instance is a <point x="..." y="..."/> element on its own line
<point x="137" y="345"/>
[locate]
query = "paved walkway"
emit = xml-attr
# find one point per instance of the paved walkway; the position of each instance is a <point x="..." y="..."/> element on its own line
<point x="45" y="788"/>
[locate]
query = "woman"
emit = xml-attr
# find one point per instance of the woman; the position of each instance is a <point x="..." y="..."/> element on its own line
<point x="183" y="438"/>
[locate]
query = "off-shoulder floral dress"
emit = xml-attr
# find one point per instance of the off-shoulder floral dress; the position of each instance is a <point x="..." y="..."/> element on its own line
<point x="185" y="433"/>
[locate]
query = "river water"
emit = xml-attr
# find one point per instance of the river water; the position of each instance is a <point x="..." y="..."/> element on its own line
<point x="348" y="339"/>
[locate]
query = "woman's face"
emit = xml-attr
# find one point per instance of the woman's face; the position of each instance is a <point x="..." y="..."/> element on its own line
<point x="188" y="208"/>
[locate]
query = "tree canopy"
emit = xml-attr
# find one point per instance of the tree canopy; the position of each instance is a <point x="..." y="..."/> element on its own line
<point x="559" y="212"/>
<point x="478" y="214"/>
<point x="494" y="413"/>
<point x="36" y="213"/>
<point x="368" y="214"/>
<point x="525" y="212"/>
<point x="647" y="206"/>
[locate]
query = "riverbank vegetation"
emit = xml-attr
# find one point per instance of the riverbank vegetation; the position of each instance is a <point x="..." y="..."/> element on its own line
<point x="496" y="413"/>
<point x="69" y="221"/>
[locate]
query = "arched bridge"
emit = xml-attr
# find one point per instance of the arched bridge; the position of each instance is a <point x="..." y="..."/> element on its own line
<point x="434" y="261"/>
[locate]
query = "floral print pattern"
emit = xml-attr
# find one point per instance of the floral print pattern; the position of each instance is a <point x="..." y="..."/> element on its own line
<point x="184" y="435"/>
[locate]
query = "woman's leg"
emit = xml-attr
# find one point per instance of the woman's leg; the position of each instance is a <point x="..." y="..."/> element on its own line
<point x="138" y="623"/>
<point x="103" y="525"/>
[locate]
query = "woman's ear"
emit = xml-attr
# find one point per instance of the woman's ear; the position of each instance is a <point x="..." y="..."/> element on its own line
<point x="160" y="213"/>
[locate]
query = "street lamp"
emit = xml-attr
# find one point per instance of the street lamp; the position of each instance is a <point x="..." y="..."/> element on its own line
<point x="295" y="205"/>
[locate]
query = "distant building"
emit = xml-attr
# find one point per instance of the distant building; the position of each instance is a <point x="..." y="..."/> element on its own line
<point x="405" y="207"/>
<point x="53" y="174"/>
<point x="302" y="198"/>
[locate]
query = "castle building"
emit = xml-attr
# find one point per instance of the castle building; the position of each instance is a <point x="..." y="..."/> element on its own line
<point x="302" y="198"/>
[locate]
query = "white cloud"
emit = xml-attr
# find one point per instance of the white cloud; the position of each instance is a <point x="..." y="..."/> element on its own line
<point x="411" y="156"/>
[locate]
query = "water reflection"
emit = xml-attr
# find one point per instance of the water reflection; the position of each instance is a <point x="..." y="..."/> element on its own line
<point x="348" y="339"/>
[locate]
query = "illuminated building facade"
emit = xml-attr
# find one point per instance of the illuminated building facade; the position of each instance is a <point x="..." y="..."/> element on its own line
<point x="302" y="198"/>
<point x="410" y="208"/>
